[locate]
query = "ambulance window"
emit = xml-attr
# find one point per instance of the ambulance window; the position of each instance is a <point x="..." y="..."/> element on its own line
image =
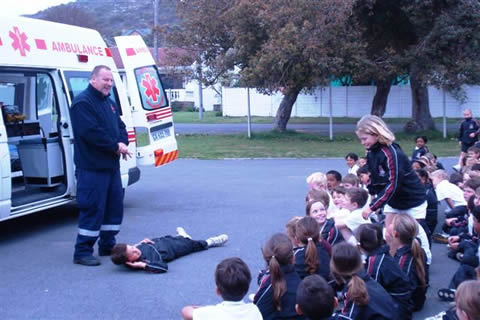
<point x="45" y="95"/>
<point x="150" y="88"/>
<point x="7" y="93"/>
<point x="78" y="81"/>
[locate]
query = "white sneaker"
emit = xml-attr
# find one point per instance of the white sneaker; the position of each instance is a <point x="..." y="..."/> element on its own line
<point x="217" y="241"/>
<point x="457" y="167"/>
<point x="183" y="233"/>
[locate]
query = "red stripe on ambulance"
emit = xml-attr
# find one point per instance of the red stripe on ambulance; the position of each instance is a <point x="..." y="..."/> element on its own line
<point x="131" y="136"/>
<point x="41" y="44"/>
<point x="159" y="114"/>
<point x="1" y="43"/>
<point x="131" y="52"/>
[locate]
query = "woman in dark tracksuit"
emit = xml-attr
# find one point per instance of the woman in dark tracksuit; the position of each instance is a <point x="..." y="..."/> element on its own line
<point x="381" y="267"/>
<point x="364" y="297"/>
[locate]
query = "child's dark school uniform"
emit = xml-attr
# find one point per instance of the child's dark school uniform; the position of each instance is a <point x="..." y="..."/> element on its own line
<point x="264" y="296"/>
<point x="432" y="208"/>
<point x="165" y="249"/>
<point x="404" y="258"/>
<point x="330" y="232"/>
<point x="323" y="268"/>
<point x="470" y="261"/>
<point x="418" y="152"/>
<point x="381" y="267"/>
<point x="380" y="304"/>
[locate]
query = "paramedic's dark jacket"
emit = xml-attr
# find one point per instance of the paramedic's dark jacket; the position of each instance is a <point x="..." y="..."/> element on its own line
<point x="97" y="129"/>
<point x="392" y="179"/>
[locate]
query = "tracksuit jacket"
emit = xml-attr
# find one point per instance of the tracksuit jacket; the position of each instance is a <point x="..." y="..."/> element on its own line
<point x="380" y="304"/>
<point x="330" y="232"/>
<point x="264" y="296"/>
<point x="404" y="258"/>
<point x="381" y="267"/>
<point x="98" y="129"/>
<point x="417" y="153"/>
<point x="323" y="268"/>
<point x="467" y="127"/>
<point x="166" y="249"/>
<point x="392" y="179"/>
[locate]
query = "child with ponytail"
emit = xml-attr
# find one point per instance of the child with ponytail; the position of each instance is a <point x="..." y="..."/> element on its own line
<point x="312" y="257"/>
<point x="364" y="298"/>
<point x="406" y="250"/>
<point x="381" y="267"/>
<point x="276" y="296"/>
<point x="317" y="208"/>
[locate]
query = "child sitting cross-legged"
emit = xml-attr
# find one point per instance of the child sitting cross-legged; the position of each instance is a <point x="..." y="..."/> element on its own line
<point x="232" y="278"/>
<point x="316" y="299"/>
<point x="381" y="267"/>
<point x="276" y="295"/>
<point x="355" y="198"/>
<point x="312" y="255"/>
<point x="317" y="209"/>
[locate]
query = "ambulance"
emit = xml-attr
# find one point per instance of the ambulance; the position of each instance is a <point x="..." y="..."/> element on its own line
<point x="43" y="66"/>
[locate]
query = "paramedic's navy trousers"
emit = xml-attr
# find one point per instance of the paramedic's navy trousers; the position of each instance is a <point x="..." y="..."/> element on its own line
<point x="100" y="206"/>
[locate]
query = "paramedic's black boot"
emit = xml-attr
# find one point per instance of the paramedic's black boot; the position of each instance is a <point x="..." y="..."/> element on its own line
<point x="90" y="261"/>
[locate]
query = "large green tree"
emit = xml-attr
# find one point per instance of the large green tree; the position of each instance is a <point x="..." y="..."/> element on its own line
<point x="278" y="45"/>
<point x="433" y="41"/>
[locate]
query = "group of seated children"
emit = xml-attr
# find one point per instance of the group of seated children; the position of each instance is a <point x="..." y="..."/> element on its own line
<point x="333" y="263"/>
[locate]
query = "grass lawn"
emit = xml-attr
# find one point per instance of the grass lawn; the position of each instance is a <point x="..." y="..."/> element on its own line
<point x="294" y="145"/>
<point x="210" y="117"/>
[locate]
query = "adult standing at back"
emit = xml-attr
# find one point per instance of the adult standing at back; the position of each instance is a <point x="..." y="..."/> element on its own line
<point x="394" y="183"/>
<point x="100" y="140"/>
<point x="468" y="135"/>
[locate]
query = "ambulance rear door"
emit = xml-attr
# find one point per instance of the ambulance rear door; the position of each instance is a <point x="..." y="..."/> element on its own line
<point x="151" y="113"/>
<point x="5" y="172"/>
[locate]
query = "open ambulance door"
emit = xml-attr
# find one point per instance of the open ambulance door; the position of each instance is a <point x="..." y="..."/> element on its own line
<point x="151" y="113"/>
<point x="5" y="171"/>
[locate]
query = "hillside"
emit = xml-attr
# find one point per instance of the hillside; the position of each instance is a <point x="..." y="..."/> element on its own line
<point x="113" y="18"/>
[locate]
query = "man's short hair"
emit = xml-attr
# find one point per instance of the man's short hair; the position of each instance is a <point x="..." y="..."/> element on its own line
<point x="336" y="174"/>
<point x="358" y="196"/>
<point x="119" y="253"/>
<point x="97" y="70"/>
<point x="232" y="278"/>
<point x="315" y="297"/>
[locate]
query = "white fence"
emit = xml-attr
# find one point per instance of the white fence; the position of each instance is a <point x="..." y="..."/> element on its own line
<point x="352" y="101"/>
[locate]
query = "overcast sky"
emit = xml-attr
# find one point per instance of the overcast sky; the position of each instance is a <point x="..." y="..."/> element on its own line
<point x="18" y="7"/>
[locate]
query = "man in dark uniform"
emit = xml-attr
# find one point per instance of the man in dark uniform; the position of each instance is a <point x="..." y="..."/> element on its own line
<point x="100" y="140"/>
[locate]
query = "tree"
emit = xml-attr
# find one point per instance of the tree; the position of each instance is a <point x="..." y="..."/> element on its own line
<point x="70" y="14"/>
<point x="277" y="45"/>
<point x="433" y="41"/>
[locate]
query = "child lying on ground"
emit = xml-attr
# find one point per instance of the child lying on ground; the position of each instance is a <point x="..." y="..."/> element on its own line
<point x="153" y="254"/>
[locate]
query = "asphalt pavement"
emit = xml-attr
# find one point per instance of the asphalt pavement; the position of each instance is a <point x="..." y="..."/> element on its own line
<point x="247" y="199"/>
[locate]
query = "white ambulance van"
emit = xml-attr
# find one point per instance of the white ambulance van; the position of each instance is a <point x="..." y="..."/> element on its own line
<point x="43" y="66"/>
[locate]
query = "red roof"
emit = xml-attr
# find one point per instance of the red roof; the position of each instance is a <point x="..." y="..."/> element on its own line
<point x="168" y="57"/>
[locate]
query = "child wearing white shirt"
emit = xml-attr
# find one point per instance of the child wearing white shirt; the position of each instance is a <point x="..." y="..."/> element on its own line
<point x="355" y="199"/>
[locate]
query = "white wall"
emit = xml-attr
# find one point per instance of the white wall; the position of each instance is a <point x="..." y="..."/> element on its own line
<point x="346" y="102"/>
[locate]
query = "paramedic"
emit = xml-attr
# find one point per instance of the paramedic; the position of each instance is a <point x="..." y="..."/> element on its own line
<point x="100" y="140"/>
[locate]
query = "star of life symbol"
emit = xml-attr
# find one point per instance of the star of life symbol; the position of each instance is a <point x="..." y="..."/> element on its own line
<point x="150" y="86"/>
<point x="19" y="41"/>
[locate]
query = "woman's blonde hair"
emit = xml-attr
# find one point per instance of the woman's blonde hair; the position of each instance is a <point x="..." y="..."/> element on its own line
<point x="373" y="125"/>
<point x="467" y="298"/>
